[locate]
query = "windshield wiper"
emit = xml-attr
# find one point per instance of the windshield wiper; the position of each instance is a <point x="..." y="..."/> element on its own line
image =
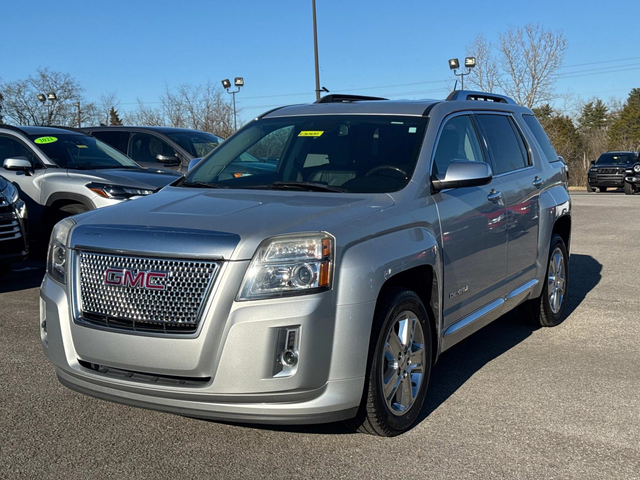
<point x="202" y="185"/>
<point x="309" y="186"/>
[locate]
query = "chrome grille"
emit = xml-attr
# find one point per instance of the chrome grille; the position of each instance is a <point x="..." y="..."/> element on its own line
<point x="175" y="309"/>
<point x="9" y="226"/>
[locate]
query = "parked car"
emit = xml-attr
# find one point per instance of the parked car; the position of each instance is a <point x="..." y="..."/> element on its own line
<point x="13" y="226"/>
<point x="632" y="179"/>
<point x="61" y="172"/>
<point x="158" y="147"/>
<point x="176" y="149"/>
<point x="609" y="170"/>
<point x="323" y="290"/>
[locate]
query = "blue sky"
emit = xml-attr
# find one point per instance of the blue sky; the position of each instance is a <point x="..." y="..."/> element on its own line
<point x="400" y="47"/>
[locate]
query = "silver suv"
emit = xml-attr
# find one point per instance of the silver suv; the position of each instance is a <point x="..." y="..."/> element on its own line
<point x="325" y="289"/>
<point x="61" y="172"/>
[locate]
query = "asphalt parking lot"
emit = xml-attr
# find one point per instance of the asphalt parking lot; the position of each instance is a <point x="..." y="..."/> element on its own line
<point x="509" y="402"/>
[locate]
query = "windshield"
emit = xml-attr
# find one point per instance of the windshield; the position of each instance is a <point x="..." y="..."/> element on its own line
<point x="351" y="153"/>
<point x="197" y="144"/>
<point x="616" y="159"/>
<point x="81" y="152"/>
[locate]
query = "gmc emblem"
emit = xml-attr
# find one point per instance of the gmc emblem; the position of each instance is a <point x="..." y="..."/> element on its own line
<point x="121" y="277"/>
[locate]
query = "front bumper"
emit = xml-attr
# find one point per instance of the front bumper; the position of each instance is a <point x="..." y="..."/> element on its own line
<point x="231" y="359"/>
<point x="609" y="180"/>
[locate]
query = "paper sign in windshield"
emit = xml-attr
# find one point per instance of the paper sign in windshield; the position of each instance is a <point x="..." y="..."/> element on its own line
<point x="43" y="140"/>
<point x="310" y="133"/>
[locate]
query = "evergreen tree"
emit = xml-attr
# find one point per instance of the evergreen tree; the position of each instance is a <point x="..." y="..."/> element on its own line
<point x="625" y="131"/>
<point x="114" y="119"/>
<point x="593" y="115"/>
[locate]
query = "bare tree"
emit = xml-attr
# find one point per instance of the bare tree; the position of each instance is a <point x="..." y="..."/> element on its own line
<point x="485" y="74"/>
<point x="106" y="102"/>
<point x="21" y="104"/>
<point x="530" y="57"/>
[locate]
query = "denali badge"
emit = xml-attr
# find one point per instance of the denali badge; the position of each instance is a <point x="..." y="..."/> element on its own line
<point x="121" y="277"/>
<point x="459" y="292"/>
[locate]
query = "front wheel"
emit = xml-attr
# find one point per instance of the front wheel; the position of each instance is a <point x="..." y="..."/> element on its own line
<point x="548" y="309"/>
<point x="629" y="189"/>
<point x="399" y="366"/>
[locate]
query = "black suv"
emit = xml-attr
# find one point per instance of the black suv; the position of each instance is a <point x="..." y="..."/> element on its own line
<point x="609" y="170"/>
<point x="13" y="226"/>
<point x="158" y="147"/>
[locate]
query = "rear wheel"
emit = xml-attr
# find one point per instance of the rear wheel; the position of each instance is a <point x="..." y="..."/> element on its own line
<point x="629" y="189"/>
<point x="548" y="309"/>
<point x="399" y="366"/>
<point x="602" y="189"/>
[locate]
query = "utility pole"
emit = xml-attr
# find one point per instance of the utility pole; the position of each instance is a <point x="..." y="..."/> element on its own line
<point x="315" y="49"/>
<point x="79" y="114"/>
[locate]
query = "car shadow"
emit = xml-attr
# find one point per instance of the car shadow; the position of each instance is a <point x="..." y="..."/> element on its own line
<point x="25" y="275"/>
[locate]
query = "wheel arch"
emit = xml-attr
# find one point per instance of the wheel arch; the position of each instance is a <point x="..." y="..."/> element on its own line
<point x="59" y="200"/>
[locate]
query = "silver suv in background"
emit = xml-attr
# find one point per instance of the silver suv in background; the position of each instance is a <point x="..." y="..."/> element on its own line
<point x="325" y="289"/>
<point x="61" y="172"/>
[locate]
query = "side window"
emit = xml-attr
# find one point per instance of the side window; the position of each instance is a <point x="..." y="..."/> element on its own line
<point x="541" y="137"/>
<point x="117" y="140"/>
<point x="145" y="148"/>
<point x="458" y="141"/>
<point x="11" y="148"/>
<point x="504" y="142"/>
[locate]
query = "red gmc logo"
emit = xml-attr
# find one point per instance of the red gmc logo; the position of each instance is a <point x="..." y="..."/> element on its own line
<point x="120" y="277"/>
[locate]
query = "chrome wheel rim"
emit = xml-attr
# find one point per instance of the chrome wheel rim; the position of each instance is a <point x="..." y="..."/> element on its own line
<point x="403" y="363"/>
<point x="556" y="283"/>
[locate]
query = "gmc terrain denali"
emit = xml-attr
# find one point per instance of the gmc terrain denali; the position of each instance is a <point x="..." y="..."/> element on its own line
<point x="325" y="289"/>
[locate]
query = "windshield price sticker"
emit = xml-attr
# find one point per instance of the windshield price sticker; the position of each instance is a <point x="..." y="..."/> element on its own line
<point x="310" y="133"/>
<point x="43" y="140"/>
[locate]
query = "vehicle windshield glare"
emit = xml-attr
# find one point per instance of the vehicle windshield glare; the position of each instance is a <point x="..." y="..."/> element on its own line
<point x="616" y="159"/>
<point x="351" y="153"/>
<point x="81" y="152"/>
<point x="198" y="144"/>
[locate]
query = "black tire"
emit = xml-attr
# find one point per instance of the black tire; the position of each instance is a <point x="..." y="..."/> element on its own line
<point x="374" y="416"/>
<point x="538" y="310"/>
<point x="602" y="189"/>
<point x="72" y="209"/>
<point x="590" y="189"/>
<point x="629" y="189"/>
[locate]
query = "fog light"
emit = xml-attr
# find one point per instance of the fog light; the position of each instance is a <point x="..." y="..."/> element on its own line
<point x="289" y="357"/>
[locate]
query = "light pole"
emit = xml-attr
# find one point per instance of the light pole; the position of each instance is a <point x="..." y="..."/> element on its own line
<point x="469" y="63"/>
<point x="52" y="98"/>
<point x="238" y="82"/>
<point x="315" y="49"/>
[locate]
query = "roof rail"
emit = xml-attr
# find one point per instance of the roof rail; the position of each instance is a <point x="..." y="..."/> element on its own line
<point x="73" y="129"/>
<point x="11" y="127"/>
<point x="341" y="98"/>
<point x="480" y="96"/>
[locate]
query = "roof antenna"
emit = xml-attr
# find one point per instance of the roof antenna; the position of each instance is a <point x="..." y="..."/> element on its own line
<point x="455" y="86"/>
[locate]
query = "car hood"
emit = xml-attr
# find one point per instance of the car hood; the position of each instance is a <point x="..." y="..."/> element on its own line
<point x="227" y="224"/>
<point x="613" y="165"/>
<point x="130" y="177"/>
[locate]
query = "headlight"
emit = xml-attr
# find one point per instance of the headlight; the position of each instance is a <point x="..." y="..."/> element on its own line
<point x="58" y="252"/>
<point x="289" y="265"/>
<point x="636" y="168"/>
<point x="117" y="192"/>
<point x="593" y="169"/>
<point x="10" y="193"/>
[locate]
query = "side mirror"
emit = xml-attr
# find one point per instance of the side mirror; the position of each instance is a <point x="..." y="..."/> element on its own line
<point x="170" y="160"/>
<point x="17" y="164"/>
<point x="193" y="163"/>
<point x="463" y="173"/>
<point x="593" y="162"/>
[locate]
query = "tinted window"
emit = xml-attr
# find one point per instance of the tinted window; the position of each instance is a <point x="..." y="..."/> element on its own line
<point x="144" y="148"/>
<point x="541" y="137"/>
<point x="13" y="148"/>
<point x="504" y="142"/>
<point x="198" y="144"/>
<point x="458" y="141"/>
<point x="80" y="152"/>
<point x="616" y="159"/>
<point x="117" y="140"/>
<point x="357" y="153"/>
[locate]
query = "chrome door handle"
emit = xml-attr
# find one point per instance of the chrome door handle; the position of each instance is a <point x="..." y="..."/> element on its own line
<point x="538" y="182"/>
<point x="494" y="196"/>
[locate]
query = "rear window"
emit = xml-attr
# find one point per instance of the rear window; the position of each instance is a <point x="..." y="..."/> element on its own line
<point x="542" y="138"/>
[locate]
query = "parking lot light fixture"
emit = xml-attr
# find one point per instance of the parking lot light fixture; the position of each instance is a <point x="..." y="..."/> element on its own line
<point x="454" y="64"/>
<point x="52" y="97"/>
<point x="238" y="82"/>
<point x="469" y="63"/>
<point x="42" y="97"/>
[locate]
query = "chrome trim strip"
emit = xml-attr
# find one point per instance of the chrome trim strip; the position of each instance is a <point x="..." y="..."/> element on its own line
<point x="472" y="317"/>
<point x="522" y="289"/>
